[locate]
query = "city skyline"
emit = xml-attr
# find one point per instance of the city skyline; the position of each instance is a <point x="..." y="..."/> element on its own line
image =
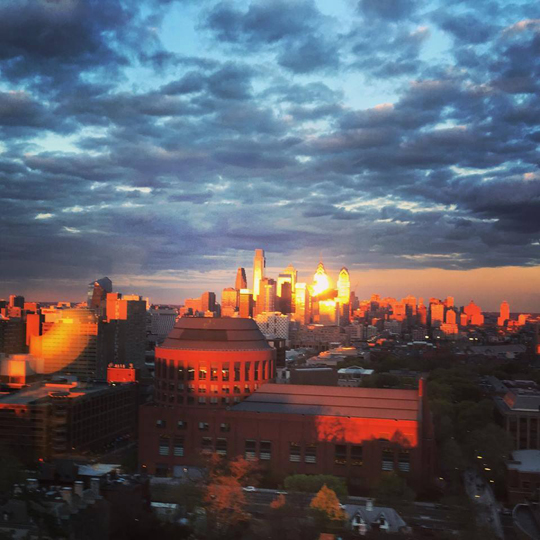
<point x="176" y="137"/>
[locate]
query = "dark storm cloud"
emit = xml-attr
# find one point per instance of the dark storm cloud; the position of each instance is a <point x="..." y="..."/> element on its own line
<point x="119" y="155"/>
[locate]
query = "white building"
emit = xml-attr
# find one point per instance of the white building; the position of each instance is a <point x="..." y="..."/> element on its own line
<point x="273" y="324"/>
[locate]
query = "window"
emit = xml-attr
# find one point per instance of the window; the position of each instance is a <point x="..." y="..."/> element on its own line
<point x="246" y="389"/>
<point x="202" y="373"/>
<point x="213" y="389"/>
<point x="387" y="459"/>
<point x="162" y="470"/>
<point x="206" y="444"/>
<point x="310" y="455"/>
<point x="225" y="428"/>
<point x="340" y="456"/>
<point x="251" y="450"/>
<point x="236" y="400"/>
<point x="202" y="388"/>
<point x="265" y="452"/>
<point x="356" y="456"/>
<point x="225" y="389"/>
<point x="213" y="373"/>
<point x="164" y="446"/>
<point x="203" y="426"/>
<point x="191" y="388"/>
<point x="257" y="371"/>
<point x="202" y="400"/>
<point x="191" y="373"/>
<point x="181" y="387"/>
<point x="225" y="372"/>
<point x="178" y="447"/>
<point x="161" y="423"/>
<point x="181" y="373"/>
<point x="182" y="424"/>
<point x="404" y="460"/>
<point x="221" y="447"/>
<point x="294" y="452"/>
<point x="214" y="400"/>
<point x="236" y="389"/>
<point x="247" y="367"/>
<point x="237" y="371"/>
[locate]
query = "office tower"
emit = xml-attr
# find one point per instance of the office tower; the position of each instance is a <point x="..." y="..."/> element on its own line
<point x="344" y="286"/>
<point x="70" y="344"/>
<point x="321" y="282"/>
<point x="285" y="300"/>
<point x="422" y="312"/>
<point x="97" y="294"/>
<point x="259" y="264"/>
<point x="229" y="302"/>
<point x="125" y="330"/>
<point x="208" y="301"/>
<point x="245" y="304"/>
<point x="34" y="323"/>
<point x="473" y="314"/>
<point x="16" y="301"/>
<point x="451" y="317"/>
<point x="302" y="306"/>
<point x="504" y="315"/>
<point x="328" y="312"/>
<point x="273" y="325"/>
<point x="449" y="302"/>
<point x="12" y="335"/>
<point x="241" y="281"/>
<point x="266" y="302"/>
<point x="193" y="304"/>
<point x="281" y="280"/>
<point x="437" y="313"/>
<point x="291" y="271"/>
<point x="161" y="322"/>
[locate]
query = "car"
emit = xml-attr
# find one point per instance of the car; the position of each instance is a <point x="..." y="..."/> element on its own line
<point x="250" y="488"/>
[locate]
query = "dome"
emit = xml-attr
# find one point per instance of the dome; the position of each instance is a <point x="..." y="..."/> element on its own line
<point x="216" y="334"/>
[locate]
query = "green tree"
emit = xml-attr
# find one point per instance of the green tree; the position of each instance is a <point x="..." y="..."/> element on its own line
<point x="393" y="488"/>
<point x="314" y="482"/>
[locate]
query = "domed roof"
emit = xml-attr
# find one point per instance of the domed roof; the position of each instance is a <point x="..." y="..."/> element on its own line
<point x="216" y="334"/>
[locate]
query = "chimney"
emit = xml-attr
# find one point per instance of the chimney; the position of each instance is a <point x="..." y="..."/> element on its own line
<point x="94" y="487"/>
<point x="78" y="488"/>
<point x="369" y="505"/>
<point x="67" y="494"/>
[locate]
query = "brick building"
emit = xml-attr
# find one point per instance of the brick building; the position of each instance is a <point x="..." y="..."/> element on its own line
<point x="353" y="432"/>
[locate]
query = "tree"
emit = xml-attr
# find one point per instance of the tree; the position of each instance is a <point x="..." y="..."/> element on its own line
<point x="326" y="505"/>
<point x="393" y="488"/>
<point x="279" y="502"/>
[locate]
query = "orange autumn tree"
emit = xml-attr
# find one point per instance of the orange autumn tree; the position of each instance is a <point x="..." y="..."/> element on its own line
<point x="326" y="504"/>
<point x="279" y="502"/>
<point x="225" y="499"/>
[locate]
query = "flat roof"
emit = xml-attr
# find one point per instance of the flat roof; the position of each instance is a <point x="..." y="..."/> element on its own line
<point x="525" y="461"/>
<point x="333" y="401"/>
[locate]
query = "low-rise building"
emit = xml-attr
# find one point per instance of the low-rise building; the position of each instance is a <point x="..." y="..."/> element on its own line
<point x="523" y="476"/>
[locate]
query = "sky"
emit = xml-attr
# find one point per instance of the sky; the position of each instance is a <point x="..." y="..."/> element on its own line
<point x="160" y="142"/>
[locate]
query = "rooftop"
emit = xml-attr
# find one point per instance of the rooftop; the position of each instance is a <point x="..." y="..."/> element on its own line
<point x="333" y="401"/>
<point x="215" y="334"/>
<point x="525" y="461"/>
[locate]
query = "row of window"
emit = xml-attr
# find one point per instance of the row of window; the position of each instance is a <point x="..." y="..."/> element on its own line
<point x="213" y="372"/>
<point x="201" y="388"/>
<point x="191" y="400"/>
<point x="224" y="427"/>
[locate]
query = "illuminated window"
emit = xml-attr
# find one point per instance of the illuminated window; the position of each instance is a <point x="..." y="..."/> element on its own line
<point x="202" y="373"/>
<point x="221" y="447"/>
<point x="181" y="373"/>
<point x="265" y="452"/>
<point x="191" y="373"/>
<point x="225" y="372"/>
<point x="356" y="456"/>
<point x="310" y="454"/>
<point x="178" y="447"/>
<point x="387" y="459"/>
<point x="250" y="450"/>
<point x="295" y="454"/>
<point x="340" y="455"/>
<point x="164" y="446"/>
<point x="213" y="373"/>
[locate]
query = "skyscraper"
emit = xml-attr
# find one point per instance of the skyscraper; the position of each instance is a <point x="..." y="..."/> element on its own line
<point x="344" y="286"/>
<point x="241" y="281"/>
<point x="266" y="302"/>
<point x="505" y="314"/>
<point x="245" y="304"/>
<point x="291" y="271"/>
<point x="259" y="264"/>
<point x="321" y="283"/>
<point x="302" y="312"/>
<point x="208" y="301"/>
<point x="229" y="302"/>
<point x="97" y="293"/>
